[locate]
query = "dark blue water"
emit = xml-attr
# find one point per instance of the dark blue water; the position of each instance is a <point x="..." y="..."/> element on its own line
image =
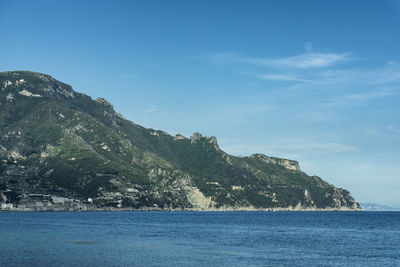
<point x="200" y="239"/>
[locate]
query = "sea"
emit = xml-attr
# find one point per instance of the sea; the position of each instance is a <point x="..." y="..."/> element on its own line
<point x="200" y="239"/>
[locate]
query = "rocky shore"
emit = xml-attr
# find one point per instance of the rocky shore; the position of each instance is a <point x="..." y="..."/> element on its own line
<point x="76" y="205"/>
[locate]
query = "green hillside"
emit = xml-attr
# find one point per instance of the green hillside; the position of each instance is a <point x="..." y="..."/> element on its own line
<point x="60" y="149"/>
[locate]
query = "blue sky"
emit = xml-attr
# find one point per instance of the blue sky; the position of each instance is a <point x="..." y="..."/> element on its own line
<point x="314" y="81"/>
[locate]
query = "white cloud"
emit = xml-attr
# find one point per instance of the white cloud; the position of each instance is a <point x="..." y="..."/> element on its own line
<point x="359" y="98"/>
<point x="302" y="61"/>
<point x="393" y="129"/>
<point x="312" y="67"/>
<point x="387" y="75"/>
<point x="280" y="77"/>
<point x="371" y="130"/>
<point x="314" y="78"/>
<point x="314" y="116"/>
<point x="308" y="46"/>
<point x="293" y="150"/>
<point x="318" y="148"/>
<point x="313" y="60"/>
<point x="150" y="110"/>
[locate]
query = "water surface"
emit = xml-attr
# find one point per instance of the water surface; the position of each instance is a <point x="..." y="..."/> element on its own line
<point x="200" y="238"/>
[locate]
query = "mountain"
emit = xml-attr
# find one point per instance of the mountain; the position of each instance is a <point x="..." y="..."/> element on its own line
<point x="377" y="207"/>
<point x="62" y="150"/>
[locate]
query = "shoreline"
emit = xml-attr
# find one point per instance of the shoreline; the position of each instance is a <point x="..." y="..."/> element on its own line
<point x="153" y="209"/>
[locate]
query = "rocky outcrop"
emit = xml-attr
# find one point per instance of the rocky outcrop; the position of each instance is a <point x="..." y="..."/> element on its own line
<point x="104" y="102"/>
<point x="179" y="137"/>
<point x="287" y="163"/>
<point x="198" y="137"/>
<point x="33" y="84"/>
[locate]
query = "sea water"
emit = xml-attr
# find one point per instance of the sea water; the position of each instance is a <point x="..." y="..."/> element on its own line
<point x="200" y="239"/>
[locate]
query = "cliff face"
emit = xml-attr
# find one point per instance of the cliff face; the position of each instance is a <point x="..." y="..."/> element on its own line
<point x="60" y="149"/>
<point x="287" y="163"/>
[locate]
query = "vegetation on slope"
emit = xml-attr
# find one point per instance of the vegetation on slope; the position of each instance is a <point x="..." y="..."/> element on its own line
<point x="57" y="142"/>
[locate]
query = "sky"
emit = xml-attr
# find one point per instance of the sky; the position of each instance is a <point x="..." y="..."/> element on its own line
<point x="313" y="81"/>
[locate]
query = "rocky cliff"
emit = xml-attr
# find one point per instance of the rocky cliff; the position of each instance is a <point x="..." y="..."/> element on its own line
<point x="62" y="150"/>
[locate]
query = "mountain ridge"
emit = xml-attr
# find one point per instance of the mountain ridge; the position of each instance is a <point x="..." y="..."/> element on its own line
<point x="62" y="150"/>
<point x="368" y="206"/>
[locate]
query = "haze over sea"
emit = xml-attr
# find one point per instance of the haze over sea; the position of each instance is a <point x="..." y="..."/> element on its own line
<point x="200" y="239"/>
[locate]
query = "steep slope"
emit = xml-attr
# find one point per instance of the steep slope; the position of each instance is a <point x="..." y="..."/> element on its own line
<point x="60" y="149"/>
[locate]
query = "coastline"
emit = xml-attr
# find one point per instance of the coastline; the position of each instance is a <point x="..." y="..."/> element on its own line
<point x="85" y="208"/>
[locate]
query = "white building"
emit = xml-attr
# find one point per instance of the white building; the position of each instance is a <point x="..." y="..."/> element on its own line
<point x="6" y="206"/>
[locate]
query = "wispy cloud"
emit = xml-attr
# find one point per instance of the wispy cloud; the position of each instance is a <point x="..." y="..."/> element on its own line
<point x="340" y="87"/>
<point x="279" y="77"/>
<point x="315" y="116"/>
<point x="320" y="148"/>
<point x="359" y="98"/>
<point x="388" y="74"/>
<point x="393" y="129"/>
<point x="150" y="110"/>
<point x="293" y="149"/>
<point x="247" y="109"/>
<point x="156" y="112"/>
<point x="305" y="60"/>
<point x="371" y="130"/>
<point x="312" y="60"/>
<point x="316" y="86"/>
